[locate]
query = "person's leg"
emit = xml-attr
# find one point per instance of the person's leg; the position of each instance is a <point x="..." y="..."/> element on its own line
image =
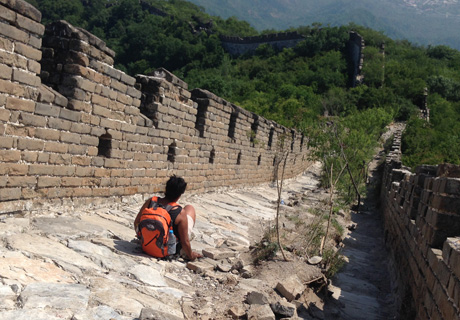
<point x="191" y="217"/>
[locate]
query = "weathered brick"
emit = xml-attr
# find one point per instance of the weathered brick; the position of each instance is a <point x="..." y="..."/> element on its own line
<point x="35" y="41"/>
<point x="24" y="8"/>
<point x="72" y="181"/>
<point x="47" y="134"/>
<point x="44" y="182"/>
<point x="70" y="115"/>
<point x="13" y="60"/>
<point x="77" y="149"/>
<point x="32" y="120"/>
<point x="101" y="111"/>
<point x="20" y="104"/>
<point x="47" y="110"/>
<point x="59" y="124"/>
<point x="60" y="159"/>
<point x="79" y="105"/>
<point x="2" y="103"/>
<point x="34" y="66"/>
<point x="8" y="15"/>
<point x="56" y="147"/>
<point x="117" y="85"/>
<point x="78" y="58"/>
<point x="5" y="72"/>
<point x="85" y="172"/>
<point x="70" y="137"/>
<point x="18" y="169"/>
<point x="80" y="128"/>
<point x="82" y="192"/>
<point x="6" y="44"/>
<point x="10" y="194"/>
<point x="76" y="69"/>
<point x="17" y="181"/>
<point x="124" y="99"/>
<point x="14" y="33"/>
<point x="29" y="156"/>
<point x="28" y="51"/>
<point x="30" y="144"/>
<point x="6" y="142"/>
<point x="110" y="124"/>
<point x="445" y="203"/>
<point x="51" y="170"/>
<point x="89" y="140"/>
<point x="79" y="82"/>
<point x="10" y="155"/>
<point x="43" y="157"/>
<point x="26" y="77"/>
<point x="97" y="99"/>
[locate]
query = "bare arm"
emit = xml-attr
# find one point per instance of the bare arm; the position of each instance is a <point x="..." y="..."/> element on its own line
<point x="182" y="227"/>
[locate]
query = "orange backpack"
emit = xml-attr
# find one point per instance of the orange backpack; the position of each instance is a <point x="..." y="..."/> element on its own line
<point x="154" y="226"/>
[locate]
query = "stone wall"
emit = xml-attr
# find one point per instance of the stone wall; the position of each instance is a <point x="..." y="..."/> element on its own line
<point x="237" y="46"/>
<point x="75" y="129"/>
<point x="422" y="231"/>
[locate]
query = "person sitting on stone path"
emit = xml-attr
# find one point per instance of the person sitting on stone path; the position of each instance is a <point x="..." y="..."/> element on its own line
<point x="182" y="219"/>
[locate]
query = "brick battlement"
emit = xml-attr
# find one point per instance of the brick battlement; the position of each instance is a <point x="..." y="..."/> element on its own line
<point x="74" y="129"/>
<point x="422" y="231"/>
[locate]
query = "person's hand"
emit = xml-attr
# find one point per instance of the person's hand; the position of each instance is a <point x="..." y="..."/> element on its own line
<point x="195" y="255"/>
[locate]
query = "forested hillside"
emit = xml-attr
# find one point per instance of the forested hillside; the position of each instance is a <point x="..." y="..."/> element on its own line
<point x="296" y="87"/>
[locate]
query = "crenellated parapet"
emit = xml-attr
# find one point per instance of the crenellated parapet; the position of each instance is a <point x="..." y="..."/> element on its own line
<point x="74" y="129"/>
<point x="422" y="231"/>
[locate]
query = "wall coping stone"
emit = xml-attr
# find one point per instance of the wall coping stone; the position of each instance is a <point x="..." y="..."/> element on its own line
<point x="23" y="8"/>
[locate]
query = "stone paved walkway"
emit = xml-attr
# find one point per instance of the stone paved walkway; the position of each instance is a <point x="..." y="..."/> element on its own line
<point x="85" y="264"/>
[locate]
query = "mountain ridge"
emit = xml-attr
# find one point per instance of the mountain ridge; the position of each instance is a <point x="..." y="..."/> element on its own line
<point x="423" y="23"/>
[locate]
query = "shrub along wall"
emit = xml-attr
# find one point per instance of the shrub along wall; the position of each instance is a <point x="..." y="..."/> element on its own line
<point x="422" y="231"/>
<point x="74" y="128"/>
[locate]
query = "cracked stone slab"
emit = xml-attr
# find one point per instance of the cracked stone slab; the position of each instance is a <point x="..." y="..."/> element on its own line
<point x="127" y="298"/>
<point x="99" y="313"/>
<point x="121" y="231"/>
<point x="218" y="254"/>
<point x="35" y="314"/>
<point x="68" y="227"/>
<point x="55" y="295"/>
<point x="44" y="247"/>
<point x="148" y="275"/>
<point x="100" y="255"/>
<point x="9" y="226"/>
<point x="17" y="267"/>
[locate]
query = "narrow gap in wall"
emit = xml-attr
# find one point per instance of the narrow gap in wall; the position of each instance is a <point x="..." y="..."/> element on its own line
<point x="201" y="117"/>
<point x="293" y="140"/>
<point x="212" y="156"/>
<point x="172" y="152"/>
<point x="302" y="141"/>
<point x="274" y="161"/>
<point x="254" y="128"/>
<point x="238" y="160"/>
<point x="104" y="148"/>
<point x="259" y="159"/>
<point x="232" y="125"/>
<point x="270" y="138"/>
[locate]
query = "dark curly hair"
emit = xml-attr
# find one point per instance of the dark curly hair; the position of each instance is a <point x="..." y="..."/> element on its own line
<point x="175" y="187"/>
